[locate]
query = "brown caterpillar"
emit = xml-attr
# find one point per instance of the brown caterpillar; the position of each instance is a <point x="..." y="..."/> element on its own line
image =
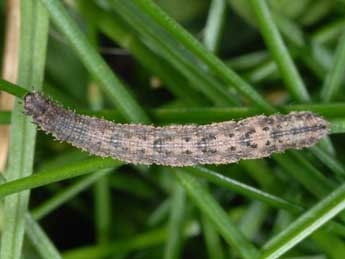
<point x="217" y="143"/>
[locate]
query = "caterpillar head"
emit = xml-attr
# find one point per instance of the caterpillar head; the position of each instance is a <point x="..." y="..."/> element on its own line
<point x="36" y="105"/>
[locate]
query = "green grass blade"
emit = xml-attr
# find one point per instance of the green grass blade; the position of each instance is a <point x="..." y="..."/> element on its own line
<point x="212" y="240"/>
<point x="305" y="173"/>
<point x="317" y="11"/>
<point x="159" y="214"/>
<point x="329" y="32"/>
<point x="279" y="51"/>
<point x="332" y="245"/>
<point x="253" y="219"/>
<point x="329" y="161"/>
<point x="10" y="88"/>
<point x="132" y="185"/>
<point x="42" y="178"/>
<point x="248" y="61"/>
<point x="37" y="236"/>
<point x="338" y="126"/>
<point x="67" y="194"/>
<point x="176" y="221"/>
<point x="214" y="25"/>
<point x="5" y="117"/>
<point x="102" y="208"/>
<point x="244" y="189"/>
<point x="39" y="239"/>
<point x="289" y="29"/>
<point x="111" y="85"/>
<point x="217" y="215"/>
<point x="34" y="29"/>
<point x="118" y="247"/>
<point x="335" y="76"/>
<point x="306" y="224"/>
<point x="263" y="72"/>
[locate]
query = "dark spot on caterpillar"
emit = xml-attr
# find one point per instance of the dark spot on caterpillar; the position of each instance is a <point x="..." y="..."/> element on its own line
<point x="204" y="142"/>
<point x="294" y="131"/>
<point x="272" y="148"/>
<point x="158" y="145"/>
<point x="208" y="150"/>
<point x="249" y="132"/>
<point x="268" y="143"/>
<point x="309" y="115"/>
<point x="268" y="120"/>
<point x="232" y="148"/>
<point x="209" y="137"/>
<point x="265" y="128"/>
<point x="142" y="137"/>
<point x="187" y="139"/>
<point x="231" y="135"/>
<point x="254" y="145"/>
<point x="167" y="152"/>
<point x="167" y="137"/>
<point x="129" y="135"/>
<point x="188" y="152"/>
<point x="312" y="140"/>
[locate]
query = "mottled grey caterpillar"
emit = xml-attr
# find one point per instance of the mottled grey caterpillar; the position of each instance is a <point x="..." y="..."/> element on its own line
<point x="217" y="143"/>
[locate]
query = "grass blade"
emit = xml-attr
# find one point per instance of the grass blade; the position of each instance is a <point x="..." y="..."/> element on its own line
<point x="338" y="126"/>
<point x="59" y="199"/>
<point x="217" y="215"/>
<point x="253" y="219"/>
<point x="119" y="247"/>
<point x="244" y="189"/>
<point x="37" y="236"/>
<point x="306" y="224"/>
<point x="39" y="239"/>
<point x="34" y="27"/>
<point x="279" y="51"/>
<point x="212" y="240"/>
<point x="42" y="178"/>
<point x="336" y="74"/>
<point x="214" y="25"/>
<point x="102" y="210"/>
<point x="176" y="220"/>
<point x="10" y="88"/>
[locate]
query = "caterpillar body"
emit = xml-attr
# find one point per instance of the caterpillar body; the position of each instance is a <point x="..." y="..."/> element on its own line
<point x="179" y="145"/>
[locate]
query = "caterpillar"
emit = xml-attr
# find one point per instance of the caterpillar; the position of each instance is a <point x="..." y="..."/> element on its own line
<point x="177" y="145"/>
